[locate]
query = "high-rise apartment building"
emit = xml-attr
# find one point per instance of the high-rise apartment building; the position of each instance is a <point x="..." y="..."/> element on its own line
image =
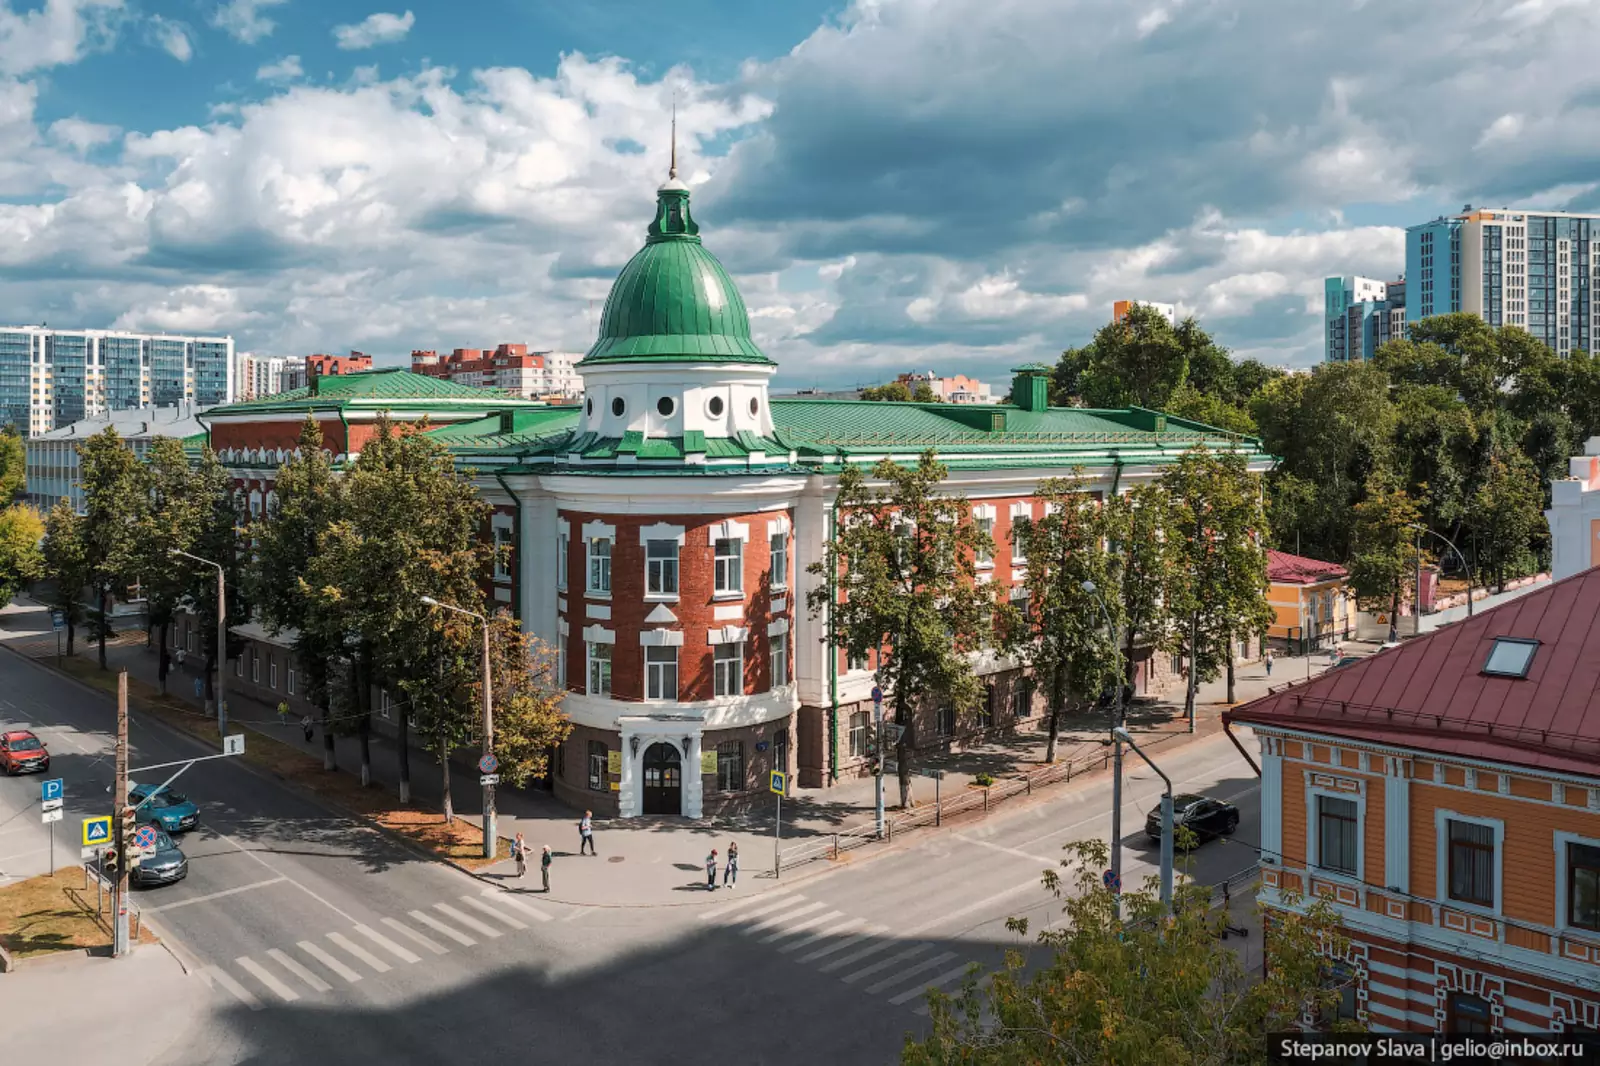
<point x="1533" y="269"/>
<point x="1361" y="315"/>
<point x="1119" y="310"/>
<point x="510" y="367"/>
<point x="258" y="376"/>
<point x="299" y="370"/>
<point x="51" y="377"/>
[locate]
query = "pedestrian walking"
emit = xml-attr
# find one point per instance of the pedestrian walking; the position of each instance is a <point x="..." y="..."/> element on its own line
<point x="730" y="874"/>
<point x="519" y="851"/>
<point x="283" y="713"/>
<point x="544" y="866"/>
<point x="199" y="688"/>
<point x="711" y="871"/>
<point x="305" y="727"/>
<point x="1268" y="660"/>
<point x="586" y="833"/>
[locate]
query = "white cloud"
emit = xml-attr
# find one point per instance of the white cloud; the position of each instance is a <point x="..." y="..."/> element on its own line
<point x="172" y="37"/>
<point x="58" y="32"/>
<point x="79" y="135"/>
<point x="243" y="20"/>
<point x="832" y="271"/>
<point x="281" y="70"/>
<point x="378" y="28"/>
<point x="189" y="309"/>
<point x="1504" y="128"/>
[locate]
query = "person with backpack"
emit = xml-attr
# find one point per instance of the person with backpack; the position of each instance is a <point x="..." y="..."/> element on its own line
<point x="586" y="833"/>
<point x="711" y="871"/>
<point x="544" y="866"/>
<point x="730" y="875"/>
<point x="1268" y="660"/>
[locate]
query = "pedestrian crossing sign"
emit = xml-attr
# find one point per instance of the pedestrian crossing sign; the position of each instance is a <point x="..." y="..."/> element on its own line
<point x="779" y="779"/>
<point x="97" y="830"/>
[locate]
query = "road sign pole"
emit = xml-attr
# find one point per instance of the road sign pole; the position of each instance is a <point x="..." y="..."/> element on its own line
<point x="119" y="920"/>
<point x="489" y="820"/>
<point x="777" y="840"/>
<point x="877" y="778"/>
<point x="52" y="849"/>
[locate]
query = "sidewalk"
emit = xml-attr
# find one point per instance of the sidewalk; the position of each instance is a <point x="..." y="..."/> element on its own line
<point x="661" y="861"/>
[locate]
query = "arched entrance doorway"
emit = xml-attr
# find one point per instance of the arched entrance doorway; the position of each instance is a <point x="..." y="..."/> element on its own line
<point x="663" y="780"/>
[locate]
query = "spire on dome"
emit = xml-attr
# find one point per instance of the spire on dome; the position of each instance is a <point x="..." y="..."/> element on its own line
<point x="672" y="184"/>
<point x="672" y="221"/>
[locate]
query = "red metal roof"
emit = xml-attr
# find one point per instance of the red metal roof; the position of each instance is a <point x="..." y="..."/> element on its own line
<point x="1430" y="693"/>
<point x="1286" y="569"/>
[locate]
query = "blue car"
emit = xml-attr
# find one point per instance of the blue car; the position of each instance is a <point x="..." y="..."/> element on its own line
<point x="172" y="811"/>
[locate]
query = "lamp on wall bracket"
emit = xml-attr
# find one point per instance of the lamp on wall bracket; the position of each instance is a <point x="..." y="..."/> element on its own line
<point x="633" y="742"/>
<point x="686" y="741"/>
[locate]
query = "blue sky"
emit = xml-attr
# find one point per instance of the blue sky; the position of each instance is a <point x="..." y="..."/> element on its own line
<point x="955" y="185"/>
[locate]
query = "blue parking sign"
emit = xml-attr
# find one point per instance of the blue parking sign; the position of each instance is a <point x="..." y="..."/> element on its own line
<point x="53" y="789"/>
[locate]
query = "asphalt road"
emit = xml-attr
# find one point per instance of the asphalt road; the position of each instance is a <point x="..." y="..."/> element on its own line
<point x="314" y="939"/>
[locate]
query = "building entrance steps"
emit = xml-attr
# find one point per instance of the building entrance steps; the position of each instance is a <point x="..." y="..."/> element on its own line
<point x="661" y="861"/>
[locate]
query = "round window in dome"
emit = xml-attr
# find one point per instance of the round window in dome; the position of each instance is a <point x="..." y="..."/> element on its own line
<point x="618" y="406"/>
<point x="588" y="406"/>
<point x="755" y="405"/>
<point x="665" y="407"/>
<point x="714" y="405"/>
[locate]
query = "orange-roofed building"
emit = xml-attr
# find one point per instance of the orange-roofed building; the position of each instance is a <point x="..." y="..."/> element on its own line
<point x="1311" y="601"/>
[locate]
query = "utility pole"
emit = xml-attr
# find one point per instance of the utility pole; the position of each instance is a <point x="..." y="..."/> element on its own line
<point x="489" y="828"/>
<point x="123" y="834"/>
<point x="1117" y="733"/>
<point x="877" y="778"/>
<point x="1166" y="822"/>
<point x="222" y="634"/>
<point x="1416" y="606"/>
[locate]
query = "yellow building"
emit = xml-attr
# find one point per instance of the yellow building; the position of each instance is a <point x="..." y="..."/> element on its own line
<point x="1311" y="600"/>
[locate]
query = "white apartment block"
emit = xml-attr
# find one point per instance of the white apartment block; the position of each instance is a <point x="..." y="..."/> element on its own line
<point x="51" y="377"/>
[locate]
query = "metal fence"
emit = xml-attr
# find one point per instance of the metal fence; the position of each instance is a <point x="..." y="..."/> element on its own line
<point x="105" y="899"/>
<point x="832" y="845"/>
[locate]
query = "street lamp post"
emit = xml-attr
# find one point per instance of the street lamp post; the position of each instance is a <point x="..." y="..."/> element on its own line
<point x="489" y="827"/>
<point x="1117" y="733"/>
<point x="222" y="633"/>
<point x="1166" y="820"/>
<point x="1459" y="555"/>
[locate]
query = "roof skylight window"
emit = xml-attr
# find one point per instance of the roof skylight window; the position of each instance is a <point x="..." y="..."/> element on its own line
<point x="1510" y="657"/>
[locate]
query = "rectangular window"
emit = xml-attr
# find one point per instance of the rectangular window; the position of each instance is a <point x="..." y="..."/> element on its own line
<point x="854" y="663"/>
<point x="661" y="568"/>
<point x="1018" y="548"/>
<point x="1583" y="886"/>
<point x="597" y="765"/>
<point x="1471" y="863"/>
<point x="730" y="766"/>
<point x="561" y="561"/>
<point x="1022" y="698"/>
<point x="986" y="712"/>
<point x="600" y="565"/>
<point x="947" y="719"/>
<point x="599" y="669"/>
<point x="502" y="554"/>
<point x="385" y="704"/>
<point x="1337" y="832"/>
<point x="778" y="554"/>
<point x="728" y="670"/>
<point x="255" y="668"/>
<point x="272" y="674"/>
<point x="860" y="722"/>
<point x="661" y="673"/>
<point x="780" y="659"/>
<point x="561" y="661"/>
<point x="729" y="566"/>
<point x="238" y="667"/>
<point x="1467" y="1015"/>
<point x="288" y="679"/>
<point x="986" y="527"/>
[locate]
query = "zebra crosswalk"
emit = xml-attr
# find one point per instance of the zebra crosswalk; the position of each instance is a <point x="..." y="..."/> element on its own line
<point x="343" y="957"/>
<point x="865" y="956"/>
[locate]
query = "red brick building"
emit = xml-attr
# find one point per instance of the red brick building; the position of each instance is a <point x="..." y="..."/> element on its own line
<point x="1444" y="795"/>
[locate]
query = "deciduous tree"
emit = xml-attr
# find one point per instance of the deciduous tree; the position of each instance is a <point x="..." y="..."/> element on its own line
<point x="116" y="498"/>
<point x="66" y="565"/>
<point x="1137" y="360"/>
<point x="893" y="392"/>
<point x="21" y="561"/>
<point x="1384" y="553"/>
<point x="13" y="464"/>
<point x="1507" y="515"/>
<point x="170" y="522"/>
<point x="1143" y="560"/>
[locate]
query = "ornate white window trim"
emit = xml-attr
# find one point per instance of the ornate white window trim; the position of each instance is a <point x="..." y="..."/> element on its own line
<point x="563" y="527"/>
<point x="778" y="627"/>
<point x="778" y="525"/>
<point x="1441" y="831"/>
<point x="563" y="628"/>
<point x="1022" y="509"/>
<point x="1563" y="908"/>
<point x="727" y="635"/>
<point x="727" y="529"/>
<point x="599" y="531"/>
<point x="661" y="638"/>
<point x="599" y="635"/>
<point x="660" y="531"/>
<point x="983" y="510"/>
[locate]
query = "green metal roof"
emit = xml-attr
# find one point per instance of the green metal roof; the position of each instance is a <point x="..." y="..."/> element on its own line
<point x="395" y="389"/>
<point x="674" y="302"/>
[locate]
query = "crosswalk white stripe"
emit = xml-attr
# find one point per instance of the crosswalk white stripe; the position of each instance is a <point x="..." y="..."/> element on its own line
<point x="761" y="902"/>
<point x="843" y="927"/>
<point x="480" y="905"/>
<point x="266" y="977"/>
<point x="439" y="927"/>
<point x="943" y="979"/>
<point x="406" y="931"/>
<point x="922" y="967"/>
<point x="466" y="920"/>
<point x="775" y="920"/>
<point x="814" y="920"/>
<point x="329" y="961"/>
<point x="884" y="964"/>
<point x="820" y="953"/>
<point x="403" y="954"/>
<point x="511" y="901"/>
<point x="983" y="984"/>
<point x="214" y="976"/>
<point x="340" y="940"/>
<point x="282" y="958"/>
<point x="871" y="949"/>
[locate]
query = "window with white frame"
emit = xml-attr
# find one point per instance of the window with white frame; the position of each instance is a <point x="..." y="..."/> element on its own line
<point x="599" y="669"/>
<point x="255" y="667"/>
<point x="727" y="669"/>
<point x="597" y="766"/>
<point x="855" y="663"/>
<point x="561" y="561"/>
<point x="730" y="766"/>
<point x="1022" y="698"/>
<point x="599" y="581"/>
<point x="985" y="525"/>
<point x="561" y="662"/>
<point x="1019" y="550"/>
<point x="1338" y="834"/>
<point x="502" y="553"/>
<point x="778" y="554"/>
<point x="1582" y="910"/>
<point x="272" y="673"/>
<point x="661" y="568"/>
<point x="780" y="659"/>
<point x="288" y="681"/>
<point x="660" y="673"/>
<point x="728" y="555"/>
<point x="385" y="704"/>
<point x="1471" y="862"/>
<point x="860" y="722"/>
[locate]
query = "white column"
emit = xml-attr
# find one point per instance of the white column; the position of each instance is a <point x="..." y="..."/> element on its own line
<point x="1397" y="828"/>
<point x="536" y="531"/>
<point x="811" y="516"/>
<point x="628" y="789"/>
<point x="693" y="796"/>
<point x="1271" y="802"/>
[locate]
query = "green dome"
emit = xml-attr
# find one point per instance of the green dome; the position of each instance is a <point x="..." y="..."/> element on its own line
<point x="674" y="302"/>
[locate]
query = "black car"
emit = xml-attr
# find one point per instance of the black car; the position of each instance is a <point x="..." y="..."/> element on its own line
<point x="163" y="866"/>
<point x="1206" y="817"/>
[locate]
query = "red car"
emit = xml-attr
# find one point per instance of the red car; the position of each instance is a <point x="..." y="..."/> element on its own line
<point x="23" y="753"/>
